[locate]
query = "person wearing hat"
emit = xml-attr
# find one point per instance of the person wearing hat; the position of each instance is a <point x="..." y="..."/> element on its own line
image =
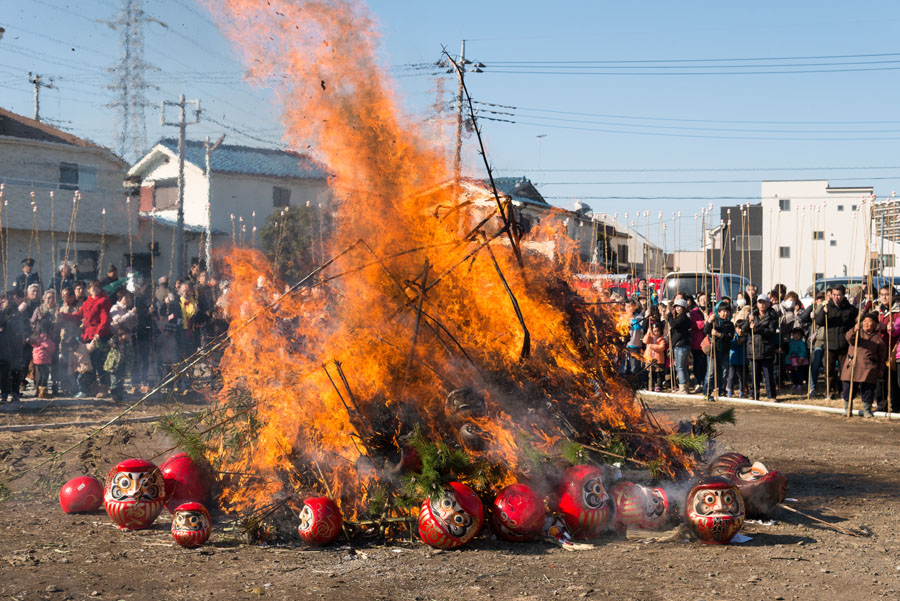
<point x="680" y="333"/>
<point x="110" y="283"/>
<point x="720" y="331"/>
<point x="27" y="277"/>
<point x="864" y="363"/>
<point x="764" y="332"/>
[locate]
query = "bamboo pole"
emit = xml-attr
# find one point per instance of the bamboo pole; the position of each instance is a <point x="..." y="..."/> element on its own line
<point x="102" y="238"/>
<point x="858" y="320"/>
<point x="5" y="255"/>
<point x="752" y="333"/>
<point x="814" y="221"/>
<point x="52" y="233"/>
<point x="828" y="366"/>
<point x="130" y="233"/>
<point x="840" y="529"/>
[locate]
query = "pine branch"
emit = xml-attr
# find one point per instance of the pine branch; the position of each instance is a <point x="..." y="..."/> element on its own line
<point x="694" y="443"/>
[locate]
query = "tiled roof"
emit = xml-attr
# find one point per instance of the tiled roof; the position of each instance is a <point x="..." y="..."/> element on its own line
<point x="248" y="160"/>
<point x="518" y="188"/>
<point x="18" y="126"/>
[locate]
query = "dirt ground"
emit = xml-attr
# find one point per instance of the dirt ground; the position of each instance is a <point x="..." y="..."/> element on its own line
<point x="842" y="471"/>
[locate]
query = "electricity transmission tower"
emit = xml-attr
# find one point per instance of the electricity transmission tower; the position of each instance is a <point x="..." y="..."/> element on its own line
<point x="130" y="83"/>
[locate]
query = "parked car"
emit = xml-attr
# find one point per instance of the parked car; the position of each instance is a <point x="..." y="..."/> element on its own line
<point x="692" y="282"/>
<point x="853" y="284"/>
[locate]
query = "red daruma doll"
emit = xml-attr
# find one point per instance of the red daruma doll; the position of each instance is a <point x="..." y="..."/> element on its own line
<point x="583" y="502"/>
<point x="451" y="519"/>
<point x="134" y="494"/>
<point x="715" y="510"/>
<point x="191" y="525"/>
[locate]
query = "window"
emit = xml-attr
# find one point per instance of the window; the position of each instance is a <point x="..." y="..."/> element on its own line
<point x="887" y="260"/>
<point x="68" y="176"/>
<point x="281" y="197"/>
<point x="784" y="204"/>
<point x="832" y="243"/>
<point x="819" y="235"/>
<point x="743" y="243"/>
<point x="853" y="207"/>
<point x="784" y="252"/>
<point x="623" y="253"/>
<point x="840" y="208"/>
<point x="165" y="193"/>
<point x="87" y="178"/>
<point x="818" y="275"/>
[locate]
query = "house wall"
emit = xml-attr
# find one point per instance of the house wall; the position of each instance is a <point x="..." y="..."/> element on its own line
<point x="28" y="166"/>
<point x="240" y="195"/>
<point x="839" y="213"/>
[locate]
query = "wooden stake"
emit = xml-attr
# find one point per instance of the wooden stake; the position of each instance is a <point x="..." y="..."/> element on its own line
<point x="840" y="529"/>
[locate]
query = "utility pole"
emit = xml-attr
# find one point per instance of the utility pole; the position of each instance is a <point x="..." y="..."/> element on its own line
<point x="209" y="151"/>
<point x="182" y="124"/>
<point x="477" y="68"/>
<point x="38" y="83"/>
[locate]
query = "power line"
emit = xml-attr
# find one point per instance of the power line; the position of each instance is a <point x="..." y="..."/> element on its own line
<point x="698" y="67"/>
<point x="645" y="118"/>
<point x="693" y="169"/>
<point x="692" y="128"/>
<point x="241" y="132"/>
<point x="692" y="73"/>
<point x="698" y="136"/>
<point x="706" y="60"/>
<point x="675" y="182"/>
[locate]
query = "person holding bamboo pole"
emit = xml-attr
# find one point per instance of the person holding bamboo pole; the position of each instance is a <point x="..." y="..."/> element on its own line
<point x="764" y="338"/>
<point x="864" y="362"/>
<point x="720" y="332"/>
<point x="838" y="317"/>
<point x="680" y="340"/>
<point x="888" y="313"/>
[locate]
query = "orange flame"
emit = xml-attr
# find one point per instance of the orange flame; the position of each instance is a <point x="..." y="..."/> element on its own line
<point x="420" y="309"/>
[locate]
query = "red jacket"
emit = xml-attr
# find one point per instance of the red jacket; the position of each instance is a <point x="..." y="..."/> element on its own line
<point x="698" y="321"/>
<point x="94" y="314"/>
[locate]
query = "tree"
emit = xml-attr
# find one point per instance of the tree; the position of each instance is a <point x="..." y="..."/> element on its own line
<point x="294" y="239"/>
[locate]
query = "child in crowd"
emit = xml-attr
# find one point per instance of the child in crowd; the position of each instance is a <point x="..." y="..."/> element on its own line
<point x="42" y="349"/>
<point x="797" y="360"/>
<point x="656" y="355"/>
<point x="737" y="360"/>
<point x="631" y="364"/>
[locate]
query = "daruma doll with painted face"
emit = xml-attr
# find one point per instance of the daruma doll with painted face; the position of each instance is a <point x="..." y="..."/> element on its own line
<point x="191" y="525"/>
<point x="639" y="507"/>
<point x="518" y="513"/>
<point x="715" y="510"/>
<point x="452" y="519"/>
<point x="583" y="502"/>
<point x="134" y="494"/>
<point x="320" y="521"/>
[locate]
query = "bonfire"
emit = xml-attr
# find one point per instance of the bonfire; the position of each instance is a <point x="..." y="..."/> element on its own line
<point x="434" y="345"/>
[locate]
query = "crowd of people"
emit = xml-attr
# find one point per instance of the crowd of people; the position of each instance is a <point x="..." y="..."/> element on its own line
<point x="835" y="346"/>
<point x="89" y="338"/>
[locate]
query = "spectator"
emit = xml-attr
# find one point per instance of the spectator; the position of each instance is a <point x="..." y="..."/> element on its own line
<point x="655" y="347"/>
<point x="188" y="309"/>
<point x="720" y="332"/>
<point x="838" y="317"/>
<point x="27" y="277"/>
<point x="752" y="292"/>
<point x="13" y="332"/>
<point x="80" y="290"/>
<point x="143" y="338"/>
<point x="43" y="349"/>
<point x="95" y="332"/>
<point x="69" y="331"/>
<point x="680" y="333"/>
<point x="112" y="277"/>
<point x="815" y="339"/>
<point x="123" y="322"/>
<point x="742" y="308"/>
<point x="796" y="360"/>
<point x="864" y="362"/>
<point x="64" y="278"/>
<point x="631" y="365"/>
<point x="46" y="314"/>
<point x="764" y="330"/>
<point x="698" y="316"/>
<point x="737" y="360"/>
<point x="888" y="310"/>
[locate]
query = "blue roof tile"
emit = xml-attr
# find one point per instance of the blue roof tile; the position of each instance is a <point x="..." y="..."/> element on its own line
<point x="249" y="160"/>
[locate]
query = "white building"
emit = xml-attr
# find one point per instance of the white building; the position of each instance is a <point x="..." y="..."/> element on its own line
<point x="245" y="186"/>
<point x="41" y="169"/>
<point x="812" y="230"/>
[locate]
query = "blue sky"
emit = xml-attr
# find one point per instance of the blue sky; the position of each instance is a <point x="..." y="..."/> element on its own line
<point x="622" y="131"/>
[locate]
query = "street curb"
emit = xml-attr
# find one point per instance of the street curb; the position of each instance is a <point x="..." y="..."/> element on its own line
<point x="647" y="395"/>
<point x="99" y="422"/>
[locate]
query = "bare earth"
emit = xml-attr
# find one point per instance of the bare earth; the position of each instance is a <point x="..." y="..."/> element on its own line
<point x="843" y="471"/>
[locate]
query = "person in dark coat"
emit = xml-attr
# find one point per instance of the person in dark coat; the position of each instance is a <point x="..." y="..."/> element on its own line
<point x="64" y="278"/>
<point x="680" y="334"/>
<point x="764" y="330"/>
<point x="720" y="332"/>
<point x="27" y="277"/>
<point x="13" y="332"/>
<point x="838" y="317"/>
<point x="864" y="363"/>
